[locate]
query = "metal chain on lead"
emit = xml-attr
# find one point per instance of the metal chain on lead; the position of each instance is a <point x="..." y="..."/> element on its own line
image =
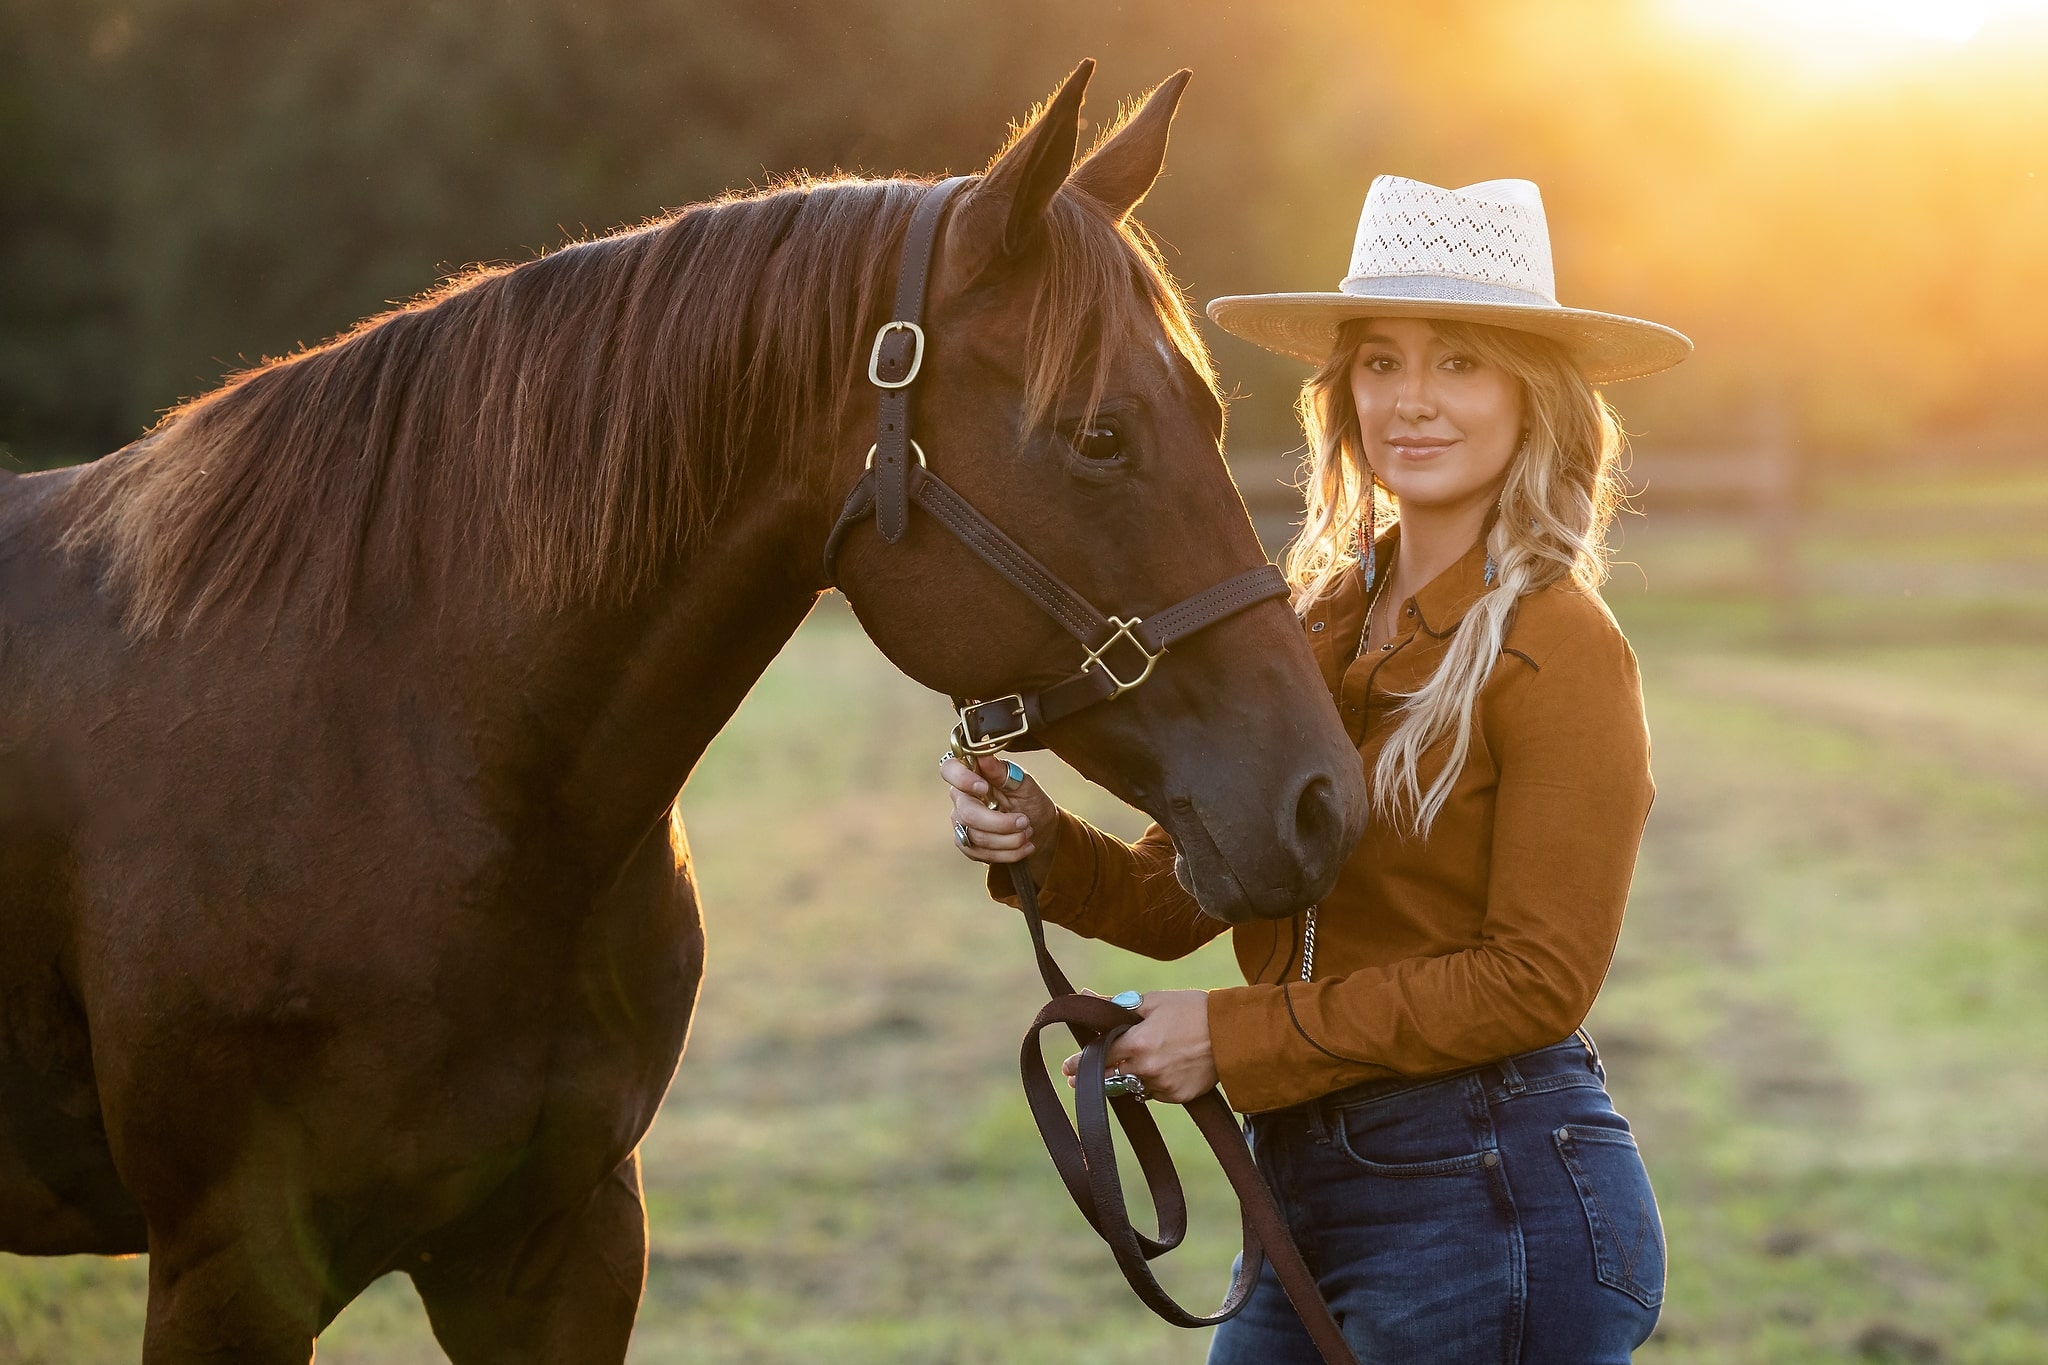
<point x="1308" y="945"/>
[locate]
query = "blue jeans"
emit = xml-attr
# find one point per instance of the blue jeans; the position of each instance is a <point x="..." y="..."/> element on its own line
<point x="1500" y="1214"/>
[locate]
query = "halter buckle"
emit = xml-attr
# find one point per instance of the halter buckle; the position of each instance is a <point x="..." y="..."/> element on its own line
<point x="966" y="743"/>
<point x="1123" y="632"/>
<point x="916" y="355"/>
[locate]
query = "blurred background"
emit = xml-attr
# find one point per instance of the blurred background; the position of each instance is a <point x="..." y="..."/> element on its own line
<point x="1829" y="1013"/>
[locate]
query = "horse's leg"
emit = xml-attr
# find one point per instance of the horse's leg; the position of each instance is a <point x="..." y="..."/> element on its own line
<point x="567" y="1294"/>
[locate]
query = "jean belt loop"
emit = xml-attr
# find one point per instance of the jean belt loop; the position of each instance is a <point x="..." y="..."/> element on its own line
<point x="1592" y="1054"/>
<point x="1320" y="1115"/>
<point x="1511" y="1076"/>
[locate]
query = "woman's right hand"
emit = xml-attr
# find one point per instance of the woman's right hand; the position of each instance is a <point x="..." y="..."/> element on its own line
<point x="1025" y="823"/>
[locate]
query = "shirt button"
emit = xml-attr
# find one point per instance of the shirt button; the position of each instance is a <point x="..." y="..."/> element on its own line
<point x="1316" y="627"/>
<point x="1388" y="645"/>
<point x="1411" y="611"/>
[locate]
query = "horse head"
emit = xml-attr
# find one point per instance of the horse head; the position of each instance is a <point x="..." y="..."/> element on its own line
<point x="1063" y="392"/>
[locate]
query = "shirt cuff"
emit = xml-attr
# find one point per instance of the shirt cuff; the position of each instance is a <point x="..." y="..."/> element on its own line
<point x="1264" y="1059"/>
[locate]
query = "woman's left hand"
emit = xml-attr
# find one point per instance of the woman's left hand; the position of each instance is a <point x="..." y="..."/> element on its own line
<point x="1169" y="1052"/>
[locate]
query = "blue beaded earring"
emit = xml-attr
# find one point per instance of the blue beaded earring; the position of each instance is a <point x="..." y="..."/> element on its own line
<point x="1492" y="569"/>
<point x="1368" y="531"/>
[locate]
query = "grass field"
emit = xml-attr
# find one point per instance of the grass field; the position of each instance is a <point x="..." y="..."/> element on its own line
<point x="1828" y="1019"/>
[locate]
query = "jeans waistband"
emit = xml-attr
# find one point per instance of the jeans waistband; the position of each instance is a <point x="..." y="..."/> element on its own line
<point x="1574" y="1055"/>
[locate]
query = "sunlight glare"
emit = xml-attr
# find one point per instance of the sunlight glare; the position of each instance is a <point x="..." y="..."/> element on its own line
<point x="1853" y="32"/>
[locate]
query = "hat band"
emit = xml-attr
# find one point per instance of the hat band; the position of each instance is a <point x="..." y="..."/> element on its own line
<point x="1443" y="289"/>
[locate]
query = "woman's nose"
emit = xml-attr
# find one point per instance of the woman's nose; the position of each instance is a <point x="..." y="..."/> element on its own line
<point x="1415" y="402"/>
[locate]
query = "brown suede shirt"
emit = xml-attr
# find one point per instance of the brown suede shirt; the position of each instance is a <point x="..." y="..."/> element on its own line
<point x="1489" y="938"/>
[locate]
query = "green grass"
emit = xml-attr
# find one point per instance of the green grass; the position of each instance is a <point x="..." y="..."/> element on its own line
<point x="1828" y="1018"/>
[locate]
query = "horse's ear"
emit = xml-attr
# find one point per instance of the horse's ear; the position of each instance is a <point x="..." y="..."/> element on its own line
<point x="1002" y="214"/>
<point x="1120" y="171"/>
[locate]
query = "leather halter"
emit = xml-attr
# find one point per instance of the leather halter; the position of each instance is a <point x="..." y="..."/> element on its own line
<point x="1121" y="653"/>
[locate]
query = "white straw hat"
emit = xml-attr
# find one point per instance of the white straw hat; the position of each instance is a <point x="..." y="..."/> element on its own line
<point x="1477" y="254"/>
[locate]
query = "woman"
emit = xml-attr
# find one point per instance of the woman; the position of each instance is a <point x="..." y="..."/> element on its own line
<point x="1421" y="1099"/>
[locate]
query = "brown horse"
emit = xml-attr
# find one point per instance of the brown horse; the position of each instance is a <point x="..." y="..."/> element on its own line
<point x="341" y="717"/>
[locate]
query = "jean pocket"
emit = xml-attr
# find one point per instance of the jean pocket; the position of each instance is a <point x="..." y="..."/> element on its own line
<point x="1414" y="1133"/>
<point x="1621" y="1210"/>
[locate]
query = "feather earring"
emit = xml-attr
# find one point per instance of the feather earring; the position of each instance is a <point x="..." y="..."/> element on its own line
<point x="1493" y="569"/>
<point x="1368" y="531"/>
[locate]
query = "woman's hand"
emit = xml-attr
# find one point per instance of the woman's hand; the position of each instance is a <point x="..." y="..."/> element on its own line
<point x="1169" y="1052"/>
<point x="1025" y="823"/>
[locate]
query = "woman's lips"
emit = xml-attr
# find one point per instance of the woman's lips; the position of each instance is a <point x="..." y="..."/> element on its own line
<point x="1419" y="447"/>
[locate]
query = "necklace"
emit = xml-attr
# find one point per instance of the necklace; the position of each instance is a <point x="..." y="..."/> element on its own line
<point x="1308" y="928"/>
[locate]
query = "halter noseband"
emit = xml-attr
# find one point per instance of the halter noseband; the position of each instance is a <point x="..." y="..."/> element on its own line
<point x="1120" y="651"/>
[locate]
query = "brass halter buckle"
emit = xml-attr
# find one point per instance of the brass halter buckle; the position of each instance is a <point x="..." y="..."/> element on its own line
<point x="1095" y="657"/>
<point x="989" y="744"/>
<point x="916" y="355"/>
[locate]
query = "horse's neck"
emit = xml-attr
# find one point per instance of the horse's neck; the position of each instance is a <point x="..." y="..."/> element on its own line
<point x="610" y="711"/>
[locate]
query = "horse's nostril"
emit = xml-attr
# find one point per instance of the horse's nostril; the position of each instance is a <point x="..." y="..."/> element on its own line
<point x="1318" y="822"/>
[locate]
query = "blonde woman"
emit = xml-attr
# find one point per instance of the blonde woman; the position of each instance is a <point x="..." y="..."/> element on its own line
<point x="1420" y="1094"/>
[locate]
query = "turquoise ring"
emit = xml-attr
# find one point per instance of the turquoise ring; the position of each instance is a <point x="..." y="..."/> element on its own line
<point x="1130" y="1000"/>
<point x="1015" y="774"/>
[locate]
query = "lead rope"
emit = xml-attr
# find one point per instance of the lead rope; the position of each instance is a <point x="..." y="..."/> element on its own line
<point x="1084" y="1154"/>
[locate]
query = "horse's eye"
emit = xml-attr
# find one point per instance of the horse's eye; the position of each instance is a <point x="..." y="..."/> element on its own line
<point x="1100" y="443"/>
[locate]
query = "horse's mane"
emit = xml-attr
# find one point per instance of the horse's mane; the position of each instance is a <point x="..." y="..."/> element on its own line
<point x="571" y="424"/>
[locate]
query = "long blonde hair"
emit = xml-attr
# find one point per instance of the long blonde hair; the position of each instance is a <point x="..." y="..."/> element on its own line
<point x="1560" y="493"/>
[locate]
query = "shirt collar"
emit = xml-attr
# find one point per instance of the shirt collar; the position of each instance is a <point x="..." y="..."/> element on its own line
<point x="1439" y="607"/>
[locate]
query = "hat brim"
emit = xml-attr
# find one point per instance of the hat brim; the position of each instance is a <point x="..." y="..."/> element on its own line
<point x="1607" y="347"/>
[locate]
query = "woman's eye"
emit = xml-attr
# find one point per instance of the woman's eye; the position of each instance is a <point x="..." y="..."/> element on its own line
<point x="1460" y="364"/>
<point x="1381" y="364"/>
<point x="1100" y="443"/>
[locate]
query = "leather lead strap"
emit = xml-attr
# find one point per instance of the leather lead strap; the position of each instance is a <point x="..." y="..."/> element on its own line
<point x="898" y="355"/>
<point x="1084" y="1154"/>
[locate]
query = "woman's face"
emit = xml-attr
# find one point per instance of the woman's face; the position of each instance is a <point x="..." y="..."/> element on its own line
<point x="1439" y="425"/>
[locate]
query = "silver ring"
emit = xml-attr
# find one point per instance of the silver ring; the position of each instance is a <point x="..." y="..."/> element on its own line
<point x="960" y="835"/>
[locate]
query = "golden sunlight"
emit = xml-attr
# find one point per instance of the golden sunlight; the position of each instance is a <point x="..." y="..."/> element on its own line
<point x="1853" y="33"/>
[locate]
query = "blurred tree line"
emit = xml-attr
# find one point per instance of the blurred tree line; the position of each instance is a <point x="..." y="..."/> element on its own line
<point x="187" y="186"/>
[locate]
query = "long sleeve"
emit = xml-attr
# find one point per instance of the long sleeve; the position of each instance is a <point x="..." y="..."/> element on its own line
<point x="1125" y="894"/>
<point x="1567" y="739"/>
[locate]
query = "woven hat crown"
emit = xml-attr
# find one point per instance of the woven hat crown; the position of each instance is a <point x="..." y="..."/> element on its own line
<point x="1484" y="243"/>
